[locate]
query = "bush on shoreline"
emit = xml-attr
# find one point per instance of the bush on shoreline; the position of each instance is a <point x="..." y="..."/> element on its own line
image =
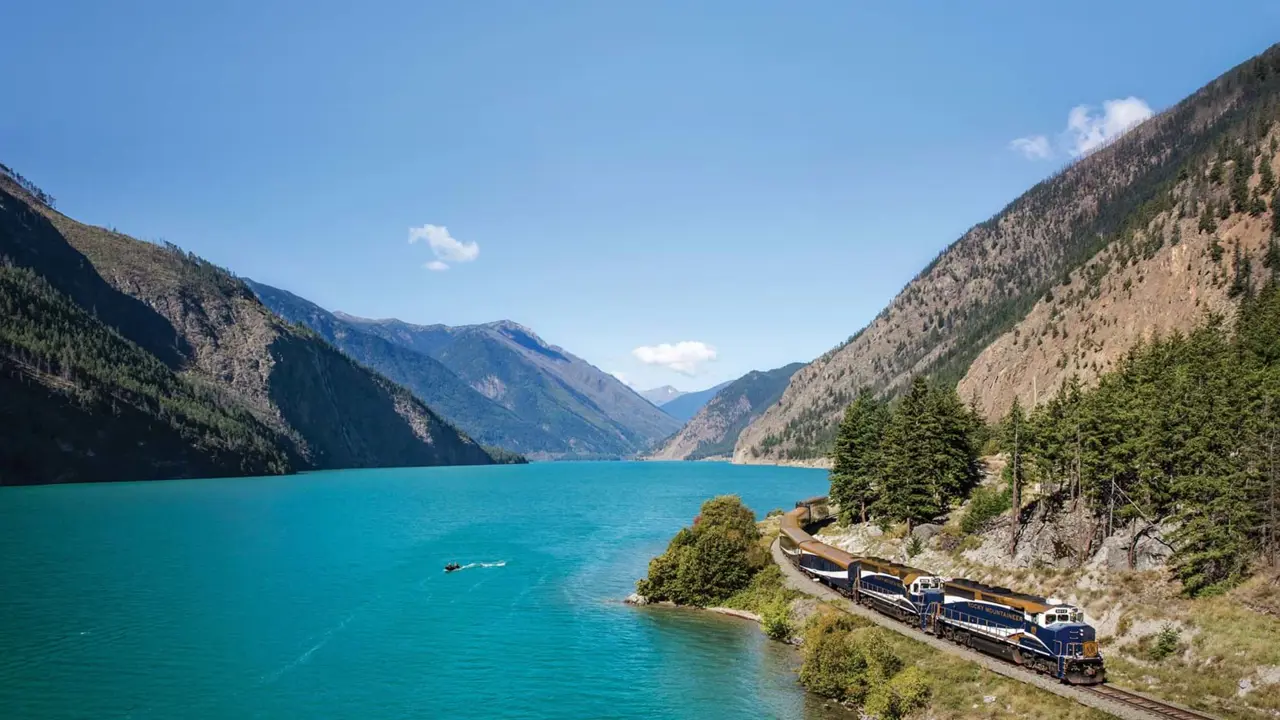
<point x="711" y="561"/>
<point x="859" y="666"/>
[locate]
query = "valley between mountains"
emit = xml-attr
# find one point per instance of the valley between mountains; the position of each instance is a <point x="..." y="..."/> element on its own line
<point x="110" y="342"/>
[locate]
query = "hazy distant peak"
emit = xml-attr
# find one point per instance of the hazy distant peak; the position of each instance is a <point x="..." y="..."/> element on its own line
<point x="660" y="395"/>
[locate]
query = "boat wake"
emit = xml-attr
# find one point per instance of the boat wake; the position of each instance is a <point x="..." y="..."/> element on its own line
<point x="304" y="657"/>
<point x="500" y="563"/>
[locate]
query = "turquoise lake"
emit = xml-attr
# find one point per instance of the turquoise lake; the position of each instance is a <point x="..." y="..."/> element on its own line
<point x="323" y="596"/>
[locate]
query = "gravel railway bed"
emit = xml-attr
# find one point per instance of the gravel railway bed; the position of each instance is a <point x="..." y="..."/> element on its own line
<point x="1107" y="698"/>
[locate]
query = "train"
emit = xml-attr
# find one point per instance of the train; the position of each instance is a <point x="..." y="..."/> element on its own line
<point x="1046" y="635"/>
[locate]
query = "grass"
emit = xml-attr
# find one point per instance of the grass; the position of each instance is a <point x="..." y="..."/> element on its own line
<point x="1224" y="642"/>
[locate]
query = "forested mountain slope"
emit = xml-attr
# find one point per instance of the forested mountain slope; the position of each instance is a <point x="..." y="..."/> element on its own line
<point x="713" y="431"/>
<point x="981" y="286"/>
<point x="127" y="360"/>
<point x="594" y="412"/>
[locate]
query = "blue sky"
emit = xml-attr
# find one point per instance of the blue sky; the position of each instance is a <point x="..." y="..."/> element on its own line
<point x="753" y="179"/>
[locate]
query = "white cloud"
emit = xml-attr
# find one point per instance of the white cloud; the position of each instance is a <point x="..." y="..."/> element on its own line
<point x="1035" y="147"/>
<point x="1087" y="129"/>
<point x="622" y="377"/>
<point x="446" y="247"/>
<point x="683" y="357"/>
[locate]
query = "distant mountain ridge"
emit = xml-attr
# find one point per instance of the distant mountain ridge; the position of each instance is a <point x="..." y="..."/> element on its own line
<point x="125" y="360"/>
<point x="687" y="405"/>
<point x="428" y="379"/>
<point x="498" y="381"/>
<point x="714" y="430"/>
<point x="661" y="395"/>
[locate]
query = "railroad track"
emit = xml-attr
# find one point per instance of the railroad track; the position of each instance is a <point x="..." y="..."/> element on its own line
<point x="1108" y="699"/>
<point x="1146" y="704"/>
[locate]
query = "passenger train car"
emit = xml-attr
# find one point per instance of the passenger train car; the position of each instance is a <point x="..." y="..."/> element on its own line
<point x="1043" y="634"/>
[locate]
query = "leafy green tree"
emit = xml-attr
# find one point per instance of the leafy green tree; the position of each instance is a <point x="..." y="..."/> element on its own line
<point x="856" y="457"/>
<point x="710" y="561"/>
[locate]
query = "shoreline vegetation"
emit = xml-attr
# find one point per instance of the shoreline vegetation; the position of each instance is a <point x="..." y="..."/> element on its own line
<point x="844" y="658"/>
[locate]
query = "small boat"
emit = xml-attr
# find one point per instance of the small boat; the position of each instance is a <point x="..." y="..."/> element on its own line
<point x="452" y="566"/>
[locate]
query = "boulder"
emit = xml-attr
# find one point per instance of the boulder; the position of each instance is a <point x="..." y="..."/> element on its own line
<point x="926" y="532"/>
<point x="636" y="599"/>
<point x="1149" y="554"/>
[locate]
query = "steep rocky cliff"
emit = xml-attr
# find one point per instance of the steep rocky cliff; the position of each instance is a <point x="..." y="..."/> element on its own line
<point x="280" y="397"/>
<point x="1167" y="277"/>
<point x="989" y="280"/>
<point x="713" y="431"/>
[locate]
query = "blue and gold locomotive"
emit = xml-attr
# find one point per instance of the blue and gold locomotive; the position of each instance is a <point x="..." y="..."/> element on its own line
<point x="1043" y="634"/>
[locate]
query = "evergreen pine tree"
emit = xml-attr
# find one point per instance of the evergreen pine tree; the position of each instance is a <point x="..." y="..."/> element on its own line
<point x="1241" y="169"/>
<point x="856" y="458"/>
<point x="1267" y="179"/>
<point x="905" y="493"/>
<point x="1013" y="438"/>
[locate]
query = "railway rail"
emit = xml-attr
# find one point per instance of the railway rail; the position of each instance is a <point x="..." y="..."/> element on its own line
<point x="1153" y="707"/>
<point x="1107" y="698"/>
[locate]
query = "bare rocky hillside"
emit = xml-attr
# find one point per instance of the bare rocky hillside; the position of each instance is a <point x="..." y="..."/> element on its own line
<point x="1168" y="277"/>
<point x="985" y="283"/>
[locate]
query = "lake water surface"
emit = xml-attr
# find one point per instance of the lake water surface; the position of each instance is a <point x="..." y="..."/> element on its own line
<point x="323" y="596"/>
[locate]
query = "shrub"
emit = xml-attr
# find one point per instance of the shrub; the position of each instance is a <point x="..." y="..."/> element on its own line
<point x="858" y="666"/>
<point x="905" y="693"/>
<point x="711" y="561"/>
<point x="985" y="505"/>
<point x="1166" y="644"/>
<point x="774" y="513"/>
<point x="775" y="619"/>
<point x="915" y="546"/>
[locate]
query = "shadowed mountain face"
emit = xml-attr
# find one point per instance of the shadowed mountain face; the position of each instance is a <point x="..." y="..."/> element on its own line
<point x="713" y="431"/>
<point x="427" y="378"/>
<point x="687" y="405"/>
<point x="499" y="382"/>
<point x="124" y="360"/>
